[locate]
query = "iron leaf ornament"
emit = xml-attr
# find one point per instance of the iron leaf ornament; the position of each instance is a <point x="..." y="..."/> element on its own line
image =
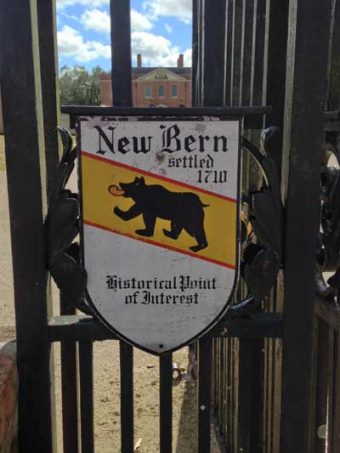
<point x="262" y="230"/>
<point x="62" y="228"/>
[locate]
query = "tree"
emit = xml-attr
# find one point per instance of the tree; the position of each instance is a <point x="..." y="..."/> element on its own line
<point x="78" y="86"/>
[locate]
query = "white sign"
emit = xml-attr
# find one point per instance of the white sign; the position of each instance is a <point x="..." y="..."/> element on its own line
<point x="160" y="224"/>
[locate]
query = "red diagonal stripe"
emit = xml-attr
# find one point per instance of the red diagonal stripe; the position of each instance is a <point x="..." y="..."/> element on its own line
<point x="154" y="175"/>
<point x="159" y="244"/>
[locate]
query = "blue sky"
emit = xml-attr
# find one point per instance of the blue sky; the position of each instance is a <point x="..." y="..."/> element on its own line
<point x="161" y="29"/>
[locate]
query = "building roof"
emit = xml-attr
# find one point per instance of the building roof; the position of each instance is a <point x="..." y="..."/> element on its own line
<point x="184" y="72"/>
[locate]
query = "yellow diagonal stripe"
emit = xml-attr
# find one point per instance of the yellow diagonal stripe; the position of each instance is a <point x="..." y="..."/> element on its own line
<point x="98" y="204"/>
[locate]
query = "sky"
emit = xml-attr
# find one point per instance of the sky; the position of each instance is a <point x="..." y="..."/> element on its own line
<point x="160" y="31"/>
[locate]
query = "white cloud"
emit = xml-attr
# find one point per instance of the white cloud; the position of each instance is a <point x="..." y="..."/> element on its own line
<point x="139" y="21"/>
<point x="72" y="44"/>
<point x="61" y="4"/>
<point x="99" y="20"/>
<point x="181" y="9"/>
<point x="156" y="50"/>
<point x="187" y="56"/>
<point x="168" y="28"/>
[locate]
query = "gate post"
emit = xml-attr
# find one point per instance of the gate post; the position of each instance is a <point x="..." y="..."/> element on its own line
<point x="26" y="177"/>
<point x="302" y="139"/>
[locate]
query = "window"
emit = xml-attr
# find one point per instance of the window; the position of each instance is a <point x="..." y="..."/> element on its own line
<point x="147" y="91"/>
<point x="161" y="91"/>
<point x="174" y="91"/>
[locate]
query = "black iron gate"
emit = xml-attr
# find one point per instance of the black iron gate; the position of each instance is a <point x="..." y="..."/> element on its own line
<point x="268" y="381"/>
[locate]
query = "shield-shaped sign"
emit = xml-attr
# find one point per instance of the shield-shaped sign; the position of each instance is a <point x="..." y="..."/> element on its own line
<point x="159" y="224"/>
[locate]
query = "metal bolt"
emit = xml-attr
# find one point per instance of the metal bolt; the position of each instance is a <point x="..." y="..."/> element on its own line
<point x="202" y="407"/>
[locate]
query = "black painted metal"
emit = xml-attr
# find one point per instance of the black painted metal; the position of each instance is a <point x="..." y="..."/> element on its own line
<point x="238" y="24"/>
<point x="247" y="63"/>
<point x="249" y="407"/>
<point x="165" y="403"/>
<point x="276" y="60"/>
<point x="257" y="325"/>
<point x="48" y="63"/>
<point x="213" y="52"/>
<point x="195" y="57"/>
<point x="86" y="395"/>
<point x="122" y="96"/>
<point x="228" y="55"/>
<point x="126" y="397"/>
<point x="259" y="44"/>
<point x="121" y="52"/>
<point x="69" y="396"/>
<point x="303" y="138"/>
<point x="204" y="393"/>
<point x="23" y="128"/>
<point x="333" y="95"/>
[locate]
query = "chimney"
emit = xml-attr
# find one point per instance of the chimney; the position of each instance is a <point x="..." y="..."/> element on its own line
<point x="180" y="61"/>
<point x="139" y="60"/>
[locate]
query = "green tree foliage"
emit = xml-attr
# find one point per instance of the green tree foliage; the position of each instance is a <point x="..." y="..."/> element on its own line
<point x="79" y="87"/>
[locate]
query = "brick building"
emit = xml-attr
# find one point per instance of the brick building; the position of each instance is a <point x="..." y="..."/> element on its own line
<point x="157" y="87"/>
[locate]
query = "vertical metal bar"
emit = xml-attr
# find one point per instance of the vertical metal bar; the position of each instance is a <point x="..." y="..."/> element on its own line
<point x="204" y="393"/>
<point x="121" y="52"/>
<point x="165" y="393"/>
<point x="69" y="396"/>
<point x="213" y="52"/>
<point x="249" y="396"/>
<point x="334" y="70"/>
<point x="228" y="70"/>
<point x="322" y="384"/>
<point x="247" y="82"/>
<point x="336" y="404"/>
<point x="69" y="387"/>
<point x="122" y="96"/>
<point x="331" y="391"/>
<point x="277" y="57"/>
<point x="126" y="397"/>
<point x="303" y="138"/>
<point x="25" y="155"/>
<point x="86" y="395"/>
<point x="259" y="52"/>
<point x="237" y="51"/>
<point x="49" y="70"/>
<point x="195" y="50"/>
<point x="229" y="395"/>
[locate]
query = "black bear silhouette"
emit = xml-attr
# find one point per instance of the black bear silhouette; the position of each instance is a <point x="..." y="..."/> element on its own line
<point x="183" y="209"/>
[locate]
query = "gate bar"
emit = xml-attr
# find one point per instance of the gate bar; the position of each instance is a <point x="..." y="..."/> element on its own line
<point x="214" y="38"/>
<point x="204" y="393"/>
<point x="165" y="406"/>
<point x="69" y="395"/>
<point x="122" y="96"/>
<point x="121" y="52"/>
<point x="86" y="395"/>
<point x="258" y="69"/>
<point x="126" y="397"/>
<point x="25" y="160"/>
<point x="50" y="96"/>
<point x="303" y="139"/>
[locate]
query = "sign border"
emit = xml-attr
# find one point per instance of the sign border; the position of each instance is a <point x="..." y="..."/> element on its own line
<point x="156" y="115"/>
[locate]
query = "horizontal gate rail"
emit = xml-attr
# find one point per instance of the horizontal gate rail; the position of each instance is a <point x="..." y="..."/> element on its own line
<point x="78" y="328"/>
